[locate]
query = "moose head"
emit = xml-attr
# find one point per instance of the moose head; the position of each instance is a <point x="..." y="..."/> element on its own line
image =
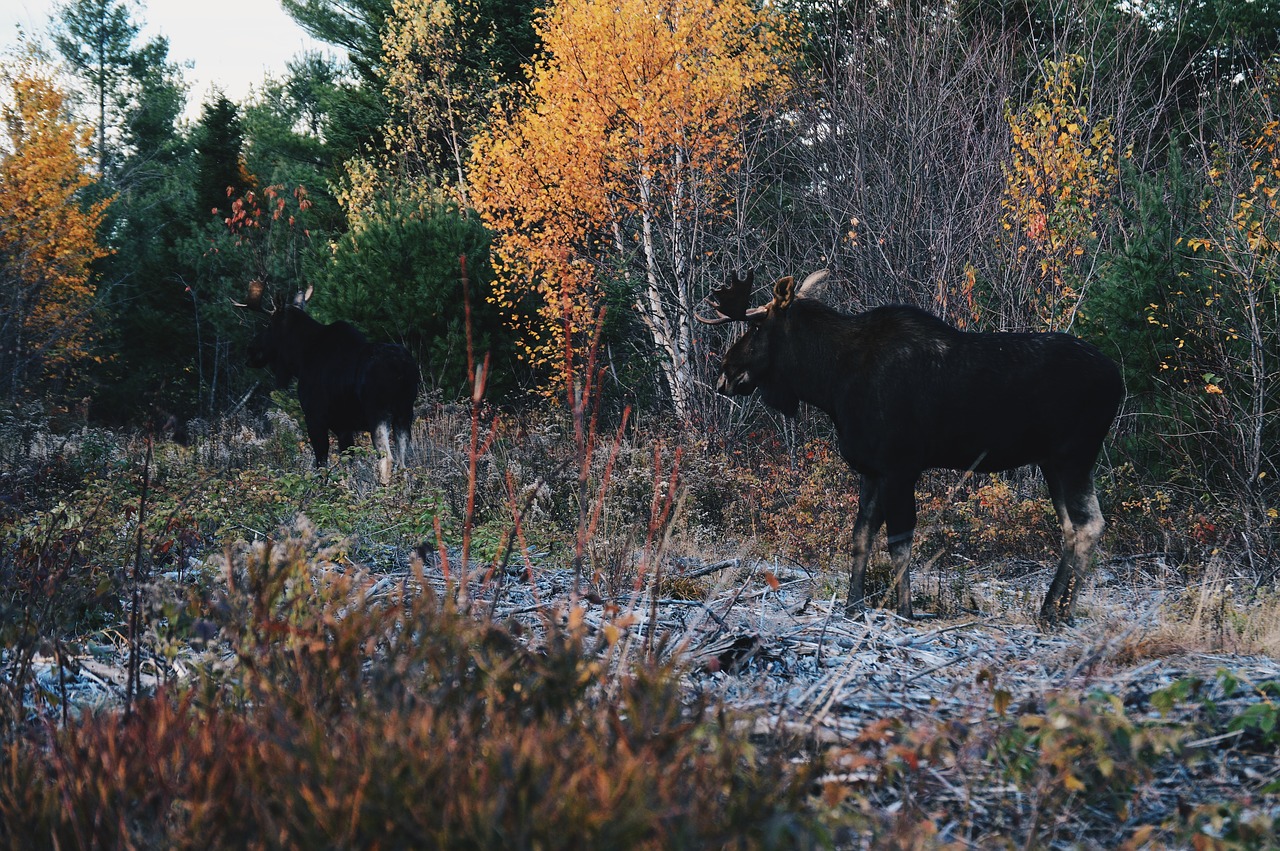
<point x="274" y="346"/>
<point x="751" y="362"/>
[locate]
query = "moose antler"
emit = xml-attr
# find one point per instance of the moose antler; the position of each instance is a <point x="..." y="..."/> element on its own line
<point x="730" y="301"/>
<point x="813" y="285"/>
<point x="253" y="301"/>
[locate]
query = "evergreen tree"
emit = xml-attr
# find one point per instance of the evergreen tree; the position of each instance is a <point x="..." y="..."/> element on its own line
<point x="219" y="143"/>
<point x="150" y="127"/>
<point x="396" y="275"/>
<point x="152" y="344"/>
<point x="356" y="25"/>
<point x="302" y="130"/>
<point x="96" y="38"/>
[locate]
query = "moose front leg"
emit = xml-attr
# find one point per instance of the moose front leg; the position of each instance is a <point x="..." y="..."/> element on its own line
<point x="870" y="518"/>
<point x="319" y="436"/>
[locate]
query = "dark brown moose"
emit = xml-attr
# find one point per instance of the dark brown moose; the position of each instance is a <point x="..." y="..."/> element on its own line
<point x="346" y="383"/>
<point x="907" y="392"/>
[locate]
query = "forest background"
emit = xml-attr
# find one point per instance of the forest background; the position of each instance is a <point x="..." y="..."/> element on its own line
<point x="1103" y="168"/>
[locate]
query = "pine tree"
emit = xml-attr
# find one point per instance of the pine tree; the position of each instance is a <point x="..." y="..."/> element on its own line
<point x="96" y="38"/>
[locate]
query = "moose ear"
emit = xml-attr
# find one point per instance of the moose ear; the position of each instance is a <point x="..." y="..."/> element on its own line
<point x="784" y="290"/>
<point x="814" y="284"/>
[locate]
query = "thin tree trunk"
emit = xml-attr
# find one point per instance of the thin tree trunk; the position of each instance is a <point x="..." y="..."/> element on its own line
<point x="649" y="305"/>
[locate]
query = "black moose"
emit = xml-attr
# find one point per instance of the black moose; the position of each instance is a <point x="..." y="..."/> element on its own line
<point x="907" y="392"/>
<point x="346" y="383"/>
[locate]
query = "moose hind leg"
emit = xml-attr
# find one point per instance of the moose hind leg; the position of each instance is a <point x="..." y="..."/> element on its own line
<point x="900" y="526"/>
<point x="870" y="518"/>
<point x="1082" y="525"/>
<point x="382" y="439"/>
<point x="346" y="440"/>
<point x="401" y="429"/>
<point x="401" y="449"/>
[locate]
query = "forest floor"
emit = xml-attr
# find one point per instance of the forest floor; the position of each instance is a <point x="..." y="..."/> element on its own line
<point x="772" y="643"/>
<point x="1157" y="711"/>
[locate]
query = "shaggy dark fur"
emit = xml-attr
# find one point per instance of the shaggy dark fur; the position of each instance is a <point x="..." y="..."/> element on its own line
<point x="907" y="392"/>
<point x="346" y="383"/>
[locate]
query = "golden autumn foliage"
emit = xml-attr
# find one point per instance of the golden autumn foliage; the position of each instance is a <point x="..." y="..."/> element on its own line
<point x="1232" y="314"/>
<point x="1058" y="179"/>
<point x="437" y="97"/>
<point x="627" y="143"/>
<point x="1255" y="212"/>
<point x="1227" y="316"/>
<point x="48" y="234"/>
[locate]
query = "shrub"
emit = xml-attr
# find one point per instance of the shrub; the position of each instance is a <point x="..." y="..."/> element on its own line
<point x="353" y="720"/>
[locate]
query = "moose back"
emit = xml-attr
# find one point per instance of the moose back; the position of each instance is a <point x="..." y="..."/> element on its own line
<point x="907" y="392"/>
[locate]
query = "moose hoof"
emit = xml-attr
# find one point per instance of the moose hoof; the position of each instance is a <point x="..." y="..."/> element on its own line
<point x="1053" y="617"/>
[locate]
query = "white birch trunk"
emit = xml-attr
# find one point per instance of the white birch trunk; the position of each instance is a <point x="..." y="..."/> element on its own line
<point x="667" y="337"/>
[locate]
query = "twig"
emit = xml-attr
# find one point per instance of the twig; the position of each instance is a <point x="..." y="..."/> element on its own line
<point x="712" y="568"/>
<point x="135" y="612"/>
<point x="826" y="623"/>
<point x="1213" y="740"/>
<point x="917" y="640"/>
<point x="963" y="657"/>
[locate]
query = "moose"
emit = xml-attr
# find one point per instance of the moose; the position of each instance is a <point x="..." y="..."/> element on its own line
<point x="908" y="392"/>
<point x="346" y="383"/>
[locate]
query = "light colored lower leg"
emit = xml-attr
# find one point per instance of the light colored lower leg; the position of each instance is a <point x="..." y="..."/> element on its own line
<point x="1090" y="532"/>
<point x="1086" y="536"/>
<point x="1064" y="520"/>
<point x="382" y="439"/>
<point x="1078" y="540"/>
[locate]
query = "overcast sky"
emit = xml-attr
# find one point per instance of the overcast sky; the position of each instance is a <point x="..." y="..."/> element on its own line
<point x="231" y="43"/>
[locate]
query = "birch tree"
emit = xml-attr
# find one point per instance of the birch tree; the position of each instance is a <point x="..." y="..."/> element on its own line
<point x="621" y="160"/>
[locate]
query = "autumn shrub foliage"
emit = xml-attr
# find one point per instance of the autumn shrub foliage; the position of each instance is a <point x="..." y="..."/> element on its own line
<point x="1069" y="768"/>
<point x="353" y="713"/>
<point x="1188" y="301"/>
<point x="1227" y="322"/>
<point x="1057" y="181"/>
<point x="307" y="694"/>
